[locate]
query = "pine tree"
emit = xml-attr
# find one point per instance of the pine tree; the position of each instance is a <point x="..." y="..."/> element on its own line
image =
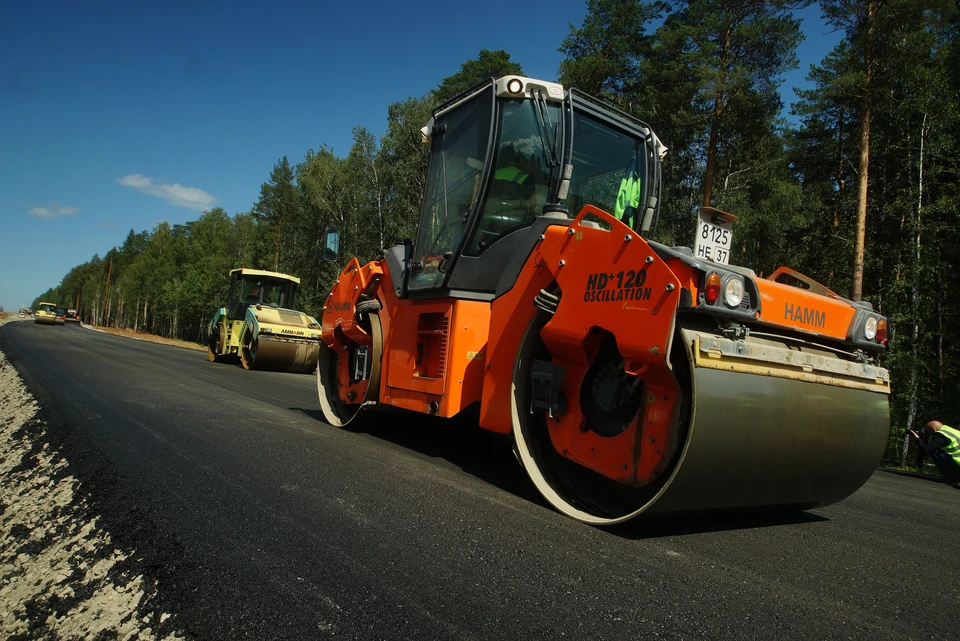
<point x="278" y="208"/>
<point x="603" y="55"/>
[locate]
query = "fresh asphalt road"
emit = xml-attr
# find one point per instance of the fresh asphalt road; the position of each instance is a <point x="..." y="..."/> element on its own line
<point x="262" y="522"/>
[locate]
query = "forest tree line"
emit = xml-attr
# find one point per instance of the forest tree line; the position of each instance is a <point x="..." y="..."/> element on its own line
<point x="857" y="185"/>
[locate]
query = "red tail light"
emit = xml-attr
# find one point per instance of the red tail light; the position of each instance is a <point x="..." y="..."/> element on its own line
<point x="712" y="292"/>
<point x="882" y="331"/>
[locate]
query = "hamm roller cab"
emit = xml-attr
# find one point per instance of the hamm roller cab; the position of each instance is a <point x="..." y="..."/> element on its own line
<point x="261" y="325"/>
<point x="633" y="377"/>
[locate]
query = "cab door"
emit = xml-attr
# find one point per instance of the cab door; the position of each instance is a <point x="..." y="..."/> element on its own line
<point x="460" y="142"/>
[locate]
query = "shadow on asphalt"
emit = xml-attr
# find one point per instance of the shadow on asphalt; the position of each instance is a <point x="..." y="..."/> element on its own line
<point x="913" y="475"/>
<point x="667" y="526"/>
<point x="489" y="457"/>
<point x="459" y="441"/>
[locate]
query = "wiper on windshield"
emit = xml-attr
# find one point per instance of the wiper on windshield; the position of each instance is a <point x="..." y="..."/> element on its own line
<point x="546" y="126"/>
<point x="557" y="184"/>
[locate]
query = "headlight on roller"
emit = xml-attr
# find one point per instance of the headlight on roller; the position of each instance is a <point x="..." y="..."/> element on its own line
<point x="870" y="328"/>
<point x="733" y="292"/>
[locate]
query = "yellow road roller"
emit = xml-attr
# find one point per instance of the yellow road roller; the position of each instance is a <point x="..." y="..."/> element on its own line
<point x="46" y="314"/>
<point x="260" y="324"/>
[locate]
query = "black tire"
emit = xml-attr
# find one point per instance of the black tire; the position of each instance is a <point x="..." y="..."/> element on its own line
<point x="367" y="306"/>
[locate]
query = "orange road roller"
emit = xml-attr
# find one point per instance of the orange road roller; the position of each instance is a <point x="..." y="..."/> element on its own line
<point x="633" y="377"/>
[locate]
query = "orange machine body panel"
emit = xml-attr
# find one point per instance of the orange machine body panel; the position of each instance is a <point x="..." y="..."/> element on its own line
<point x="786" y="306"/>
<point x="442" y="355"/>
<point x="434" y="353"/>
<point x="511" y="314"/>
<point x="433" y="350"/>
<point x="795" y="308"/>
<point x="612" y="282"/>
<point x="340" y="307"/>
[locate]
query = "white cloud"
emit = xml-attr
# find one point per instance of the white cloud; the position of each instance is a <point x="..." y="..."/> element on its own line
<point x="175" y="194"/>
<point x="52" y="210"/>
<point x="531" y="147"/>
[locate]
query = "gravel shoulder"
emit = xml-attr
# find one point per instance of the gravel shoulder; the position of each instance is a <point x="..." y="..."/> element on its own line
<point x="62" y="573"/>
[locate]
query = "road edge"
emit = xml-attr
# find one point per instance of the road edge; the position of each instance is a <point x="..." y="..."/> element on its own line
<point x="68" y="569"/>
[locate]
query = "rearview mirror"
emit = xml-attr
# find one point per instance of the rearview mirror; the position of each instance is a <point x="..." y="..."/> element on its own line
<point x="216" y="301"/>
<point x="331" y="245"/>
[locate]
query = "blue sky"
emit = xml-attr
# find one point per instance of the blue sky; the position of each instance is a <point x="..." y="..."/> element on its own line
<point x="117" y="116"/>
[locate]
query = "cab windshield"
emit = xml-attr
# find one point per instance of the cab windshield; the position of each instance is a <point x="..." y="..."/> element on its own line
<point x="268" y="291"/>
<point x="609" y="169"/>
<point x="50" y="309"/>
<point x="521" y="173"/>
<point x="457" y="151"/>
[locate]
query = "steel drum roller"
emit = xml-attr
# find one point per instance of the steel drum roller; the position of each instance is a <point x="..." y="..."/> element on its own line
<point x="759" y="441"/>
<point x="785" y="429"/>
<point x="289" y="355"/>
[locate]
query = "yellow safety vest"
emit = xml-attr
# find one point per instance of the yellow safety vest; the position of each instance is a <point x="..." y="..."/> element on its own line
<point x="628" y="198"/>
<point x="953" y="447"/>
<point x="511" y="174"/>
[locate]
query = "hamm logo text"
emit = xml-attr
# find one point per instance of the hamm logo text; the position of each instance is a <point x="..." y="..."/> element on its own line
<point x="805" y="315"/>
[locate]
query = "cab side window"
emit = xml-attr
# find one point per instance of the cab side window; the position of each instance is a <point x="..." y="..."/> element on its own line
<point x="518" y="188"/>
<point x="456" y="162"/>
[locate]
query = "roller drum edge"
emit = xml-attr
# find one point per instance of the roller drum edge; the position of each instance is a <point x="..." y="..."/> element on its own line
<point x="762" y="441"/>
<point x="334" y="411"/>
<point x="289" y="356"/>
<point x="774" y="427"/>
<point x="782" y="435"/>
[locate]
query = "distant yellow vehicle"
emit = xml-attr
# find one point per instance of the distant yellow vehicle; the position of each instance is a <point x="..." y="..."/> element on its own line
<point x="46" y="314"/>
<point x="261" y="325"/>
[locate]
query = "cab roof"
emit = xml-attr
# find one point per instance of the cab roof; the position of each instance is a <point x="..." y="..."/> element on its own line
<point x="243" y="271"/>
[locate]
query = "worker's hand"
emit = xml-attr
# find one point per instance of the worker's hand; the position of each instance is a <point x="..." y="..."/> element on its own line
<point x="915" y="435"/>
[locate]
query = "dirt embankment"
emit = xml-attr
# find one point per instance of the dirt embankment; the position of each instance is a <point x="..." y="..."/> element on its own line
<point x="61" y="574"/>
